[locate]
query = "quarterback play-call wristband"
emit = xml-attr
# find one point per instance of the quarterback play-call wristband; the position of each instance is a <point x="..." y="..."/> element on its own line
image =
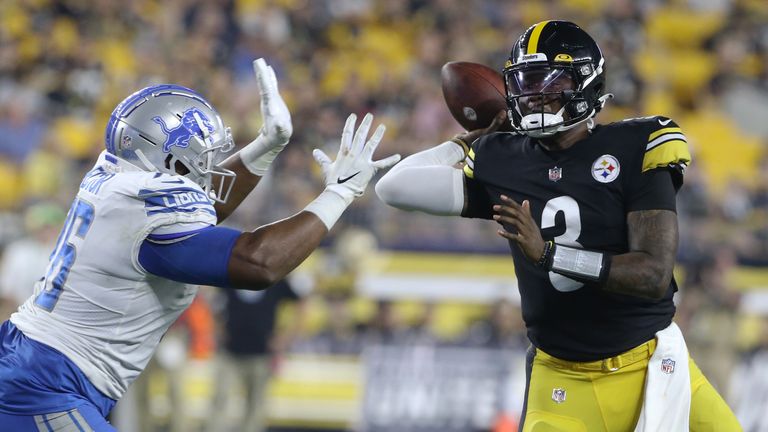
<point x="579" y="263"/>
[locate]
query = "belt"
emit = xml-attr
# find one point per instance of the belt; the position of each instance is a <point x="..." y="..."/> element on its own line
<point x="611" y="364"/>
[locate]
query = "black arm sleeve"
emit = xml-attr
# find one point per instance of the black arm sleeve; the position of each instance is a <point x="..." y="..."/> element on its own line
<point x="477" y="203"/>
<point x="653" y="190"/>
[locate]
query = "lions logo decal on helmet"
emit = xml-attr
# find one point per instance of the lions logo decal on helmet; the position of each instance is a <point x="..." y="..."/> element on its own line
<point x="192" y="123"/>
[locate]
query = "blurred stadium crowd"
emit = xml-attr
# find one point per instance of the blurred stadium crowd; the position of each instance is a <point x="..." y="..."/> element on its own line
<point x="65" y="64"/>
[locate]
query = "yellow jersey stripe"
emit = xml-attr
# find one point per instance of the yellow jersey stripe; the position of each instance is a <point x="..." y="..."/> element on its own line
<point x="469" y="164"/>
<point x="664" y="138"/>
<point x="533" y="43"/>
<point x="663" y="131"/>
<point x="469" y="172"/>
<point x="674" y="151"/>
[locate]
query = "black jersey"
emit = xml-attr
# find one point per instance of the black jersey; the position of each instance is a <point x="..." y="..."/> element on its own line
<point x="580" y="197"/>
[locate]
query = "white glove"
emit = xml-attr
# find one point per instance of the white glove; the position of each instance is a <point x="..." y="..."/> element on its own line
<point x="353" y="168"/>
<point x="277" y="128"/>
<point x="348" y="176"/>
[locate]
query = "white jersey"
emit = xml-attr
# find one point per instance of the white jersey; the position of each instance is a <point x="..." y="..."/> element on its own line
<point x="96" y="304"/>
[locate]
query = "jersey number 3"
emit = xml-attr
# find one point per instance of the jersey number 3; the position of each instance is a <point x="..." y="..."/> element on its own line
<point x="78" y="222"/>
<point x="570" y="209"/>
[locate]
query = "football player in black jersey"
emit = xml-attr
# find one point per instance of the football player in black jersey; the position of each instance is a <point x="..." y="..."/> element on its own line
<point x="589" y="213"/>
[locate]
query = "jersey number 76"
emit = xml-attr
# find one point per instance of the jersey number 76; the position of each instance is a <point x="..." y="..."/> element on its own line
<point x="63" y="256"/>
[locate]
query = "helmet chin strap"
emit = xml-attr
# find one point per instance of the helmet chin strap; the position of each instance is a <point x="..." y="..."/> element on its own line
<point x="144" y="160"/>
<point x="604" y="99"/>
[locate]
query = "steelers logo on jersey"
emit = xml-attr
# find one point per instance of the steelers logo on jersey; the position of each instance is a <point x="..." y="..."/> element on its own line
<point x="605" y="169"/>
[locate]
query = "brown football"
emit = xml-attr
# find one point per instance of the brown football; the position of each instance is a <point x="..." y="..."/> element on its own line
<point x="474" y="94"/>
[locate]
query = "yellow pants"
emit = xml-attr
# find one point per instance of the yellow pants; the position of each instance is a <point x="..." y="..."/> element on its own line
<point x="607" y="395"/>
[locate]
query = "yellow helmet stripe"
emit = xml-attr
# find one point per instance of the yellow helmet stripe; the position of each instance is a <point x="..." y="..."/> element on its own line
<point x="533" y="43"/>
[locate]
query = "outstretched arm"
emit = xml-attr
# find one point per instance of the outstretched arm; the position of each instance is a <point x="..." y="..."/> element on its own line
<point x="252" y="162"/>
<point x="257" y="259"/>
<point x="266" y="255"/>
<point x="428" y="181"/>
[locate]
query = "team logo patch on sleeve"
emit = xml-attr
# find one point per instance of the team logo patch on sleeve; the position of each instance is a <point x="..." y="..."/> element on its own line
<point x="606" y="169"/>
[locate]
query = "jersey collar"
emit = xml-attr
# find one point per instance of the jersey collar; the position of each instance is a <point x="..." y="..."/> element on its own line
<point x="114" y="164"/>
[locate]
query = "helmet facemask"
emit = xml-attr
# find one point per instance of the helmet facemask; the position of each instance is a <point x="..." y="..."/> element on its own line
<point x="545" y="98"/>
<point x="202" y="168"/>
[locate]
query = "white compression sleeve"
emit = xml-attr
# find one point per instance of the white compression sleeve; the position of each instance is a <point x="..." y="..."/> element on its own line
<point x="446" y="154"/>
<point x="426" y="181"/>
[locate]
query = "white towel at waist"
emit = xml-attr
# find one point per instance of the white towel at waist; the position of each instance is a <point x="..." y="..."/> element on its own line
<point x="667" y="399"/>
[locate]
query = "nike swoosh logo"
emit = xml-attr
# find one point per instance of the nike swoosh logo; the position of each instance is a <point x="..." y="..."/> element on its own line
<point x="665" y="122"/>
<point x="179" y="181"/>
<point x="346" y="179"/>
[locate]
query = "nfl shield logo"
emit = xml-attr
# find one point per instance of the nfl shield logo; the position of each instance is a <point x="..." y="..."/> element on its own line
<point x="667" y="366"/>
<point x="555" y="174"/>
<point x="558" y="395"/>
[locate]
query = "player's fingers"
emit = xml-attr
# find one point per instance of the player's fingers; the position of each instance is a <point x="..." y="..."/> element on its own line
<point x="521" y="225"/>
<point x="272" y="78"/>
<point x="322" y="159"/>
<point x="526" y="208"/>
<point x="503" y="209"/>
<point x="508" y="235"/>
<point x="386" y="162"/>
<point x="509" y="201"/>
<point x="260" y="68"/>
<point x="347" y="134"/>
<point x="373" y="143"/>
<point x="362" y="134"/>
<point x="513" y="220"/>
<point x="506" y="210"/>
<point x="501" y="116"/>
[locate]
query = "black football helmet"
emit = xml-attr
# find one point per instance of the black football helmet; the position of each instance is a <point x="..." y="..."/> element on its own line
<point x="554" y="61"/>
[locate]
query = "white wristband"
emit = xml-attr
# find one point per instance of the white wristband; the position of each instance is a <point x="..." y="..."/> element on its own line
<point x="258" y="157"/>
<point x="330" y="204"/>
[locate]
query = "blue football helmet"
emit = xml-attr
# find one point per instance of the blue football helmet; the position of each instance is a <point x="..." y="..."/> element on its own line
<point x="171" y="129"/>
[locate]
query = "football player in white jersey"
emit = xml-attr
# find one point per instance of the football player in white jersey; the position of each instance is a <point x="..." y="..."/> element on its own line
<point x="141" y="235"/>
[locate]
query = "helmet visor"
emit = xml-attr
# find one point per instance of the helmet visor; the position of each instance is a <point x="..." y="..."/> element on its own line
<point x="541" y="89"/>
<point x="542" y="79"/>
